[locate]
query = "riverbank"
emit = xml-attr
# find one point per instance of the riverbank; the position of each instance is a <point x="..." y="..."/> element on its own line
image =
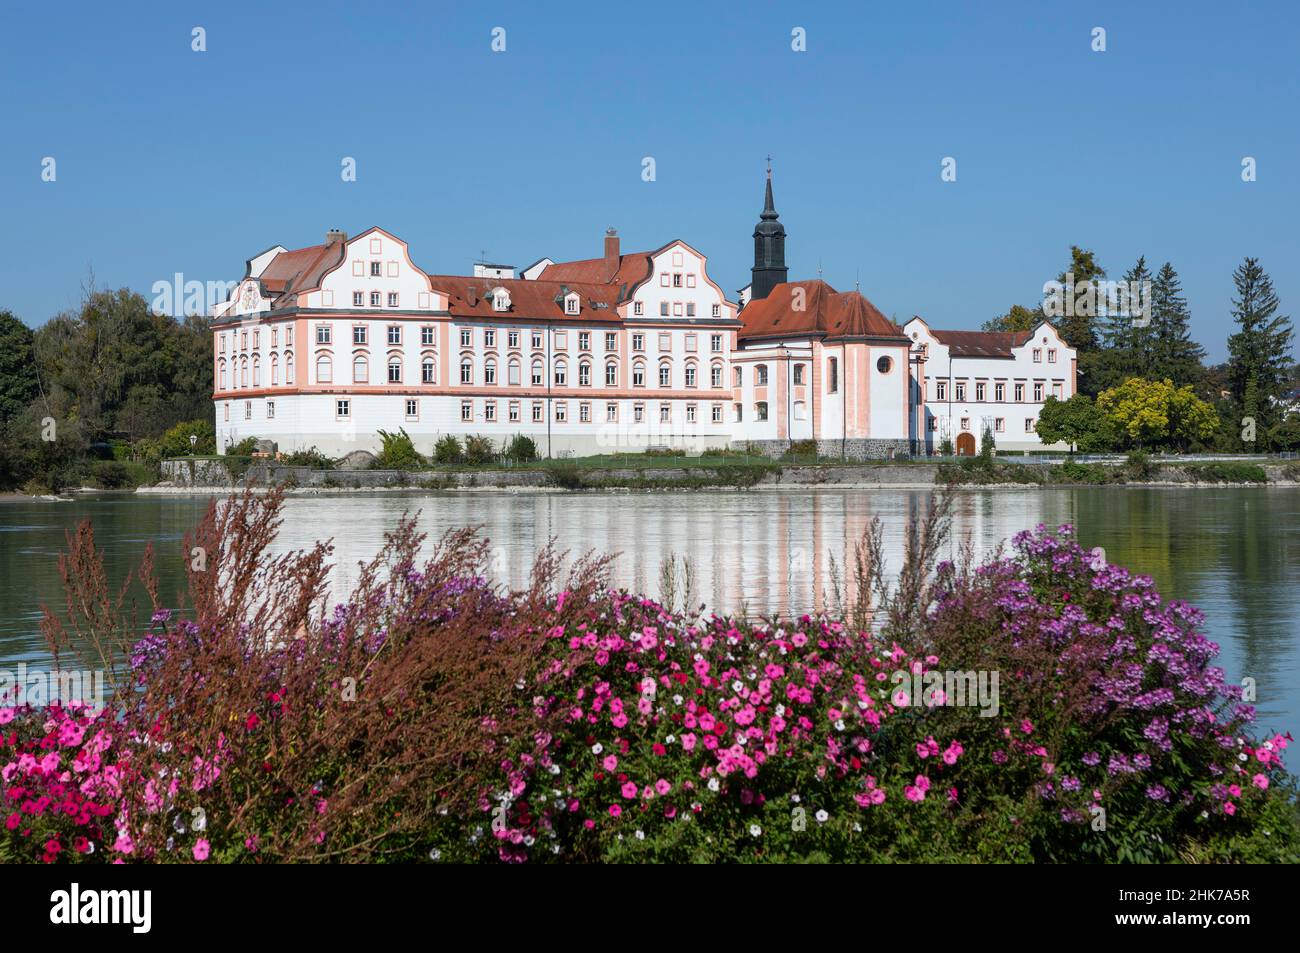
<point x="184" y="477"/>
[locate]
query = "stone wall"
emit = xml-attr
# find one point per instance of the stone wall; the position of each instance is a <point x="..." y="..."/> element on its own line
<point x="865" y="448"/>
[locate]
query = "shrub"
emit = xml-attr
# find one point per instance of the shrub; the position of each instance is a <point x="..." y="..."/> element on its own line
<point x="521" y="449"/>
<point x="665" y="452"/>
<point x="448" y="450"/>
<point x="1139" y="465"/>
<point x="801" y="448"/>
<point x="176" y="441"/>
<point x="244" y="448"/>
<point x="398" y="452"/>
<point x="1226" y="471"/>
<point x="945" y="447"/>
<point x="311" y="457"/>
<point x="120" y="475"/>
<point x="479" y="450"/>
<point x="565" y="475"/>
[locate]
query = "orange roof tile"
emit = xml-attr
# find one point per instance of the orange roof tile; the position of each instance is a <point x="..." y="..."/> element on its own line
<point x="826" y="313"/>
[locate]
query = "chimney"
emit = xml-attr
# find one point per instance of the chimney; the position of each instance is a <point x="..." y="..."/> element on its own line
<point x="334" y="235"/>
<point x="611" y="253"/>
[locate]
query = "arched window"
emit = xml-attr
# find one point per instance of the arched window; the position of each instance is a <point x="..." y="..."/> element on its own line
<point x="638" y="374"/>
<point x="324" y="369"/>
<point x="288" y="368"/>
<point x="715" y="375"/>
<point x="611" y="374"/>
<point x="275" y="370"/>
<point x="800" y="410"/>
<point x="360" y="369"/>
<point x="690" y="375"/>
<point x="257" y="371"/>
<point x="243" y="372"/>
<point x="427" y="374"/>
<point x="738" y="376"/>
<point x="513" y="371"/>
<point x="665" y="374"/>
<point x="584" y="374"/>
<point x="798" y="374"/>
<point x="394" y="369"/>
<point x="760" y="375"/>
<point x="221" y="375"/>
<point x="537" y="374"/>
<point x="466" y="371"/>
<point x="561" y="373"/>
<point x="489" y="371"/>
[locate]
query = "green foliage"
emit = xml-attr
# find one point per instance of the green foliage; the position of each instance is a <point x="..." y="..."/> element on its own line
<point x="801" y="448"/>
<point x="1259" y="364"/>
<point x="1156" y="413"/>
<point x="565" y="475"/>
<point x="311" y="457"/>
<point x="520" y="449"/>
<point x="1077" y="422"/>
<point x="176" y="441"/>
<point x="18" y="383"/>
<point x="479" y="450"/>
<point x="945" y="447"/>
<point x="119" y="475"/>
<point x="1225" y="471"/>
<point x="1017" y="318"/>
<point x="448" y="450"/>
<point x="398" y="452"/>
<point x="665" y="452"/>
<point x="244" y="448"/>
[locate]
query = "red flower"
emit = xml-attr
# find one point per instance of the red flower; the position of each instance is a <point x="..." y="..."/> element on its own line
<point x="659" y="749"/>
<point x="251" y="721"/>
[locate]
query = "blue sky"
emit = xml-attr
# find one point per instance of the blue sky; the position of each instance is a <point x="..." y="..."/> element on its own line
<point x="174" y="161"/>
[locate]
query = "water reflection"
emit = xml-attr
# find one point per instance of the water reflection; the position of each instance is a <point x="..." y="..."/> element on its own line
<point x="1230" y="551"/>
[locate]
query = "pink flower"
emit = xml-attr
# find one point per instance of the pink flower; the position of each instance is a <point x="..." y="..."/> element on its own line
<point x="615" y="810"/>
<point x="1260" y="782"/>
<point x="610" y="763"/>
<point x="688" y="742"/>
<point x="914" y="794"/>
<point x="953" y="752"/>
<point x="201" y="849"/>
<point x="662" y="786"/>
<point x="629" y="789"/>
<point x="1229" y="808"/>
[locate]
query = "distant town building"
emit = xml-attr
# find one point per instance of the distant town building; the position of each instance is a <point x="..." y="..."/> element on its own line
<point x="326" y="346"/>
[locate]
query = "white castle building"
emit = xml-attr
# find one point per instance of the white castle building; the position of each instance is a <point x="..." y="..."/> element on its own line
<point x="326" y="346"/>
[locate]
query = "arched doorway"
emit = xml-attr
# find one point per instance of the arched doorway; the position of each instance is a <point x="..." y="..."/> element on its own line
<point x="965" y="445"/>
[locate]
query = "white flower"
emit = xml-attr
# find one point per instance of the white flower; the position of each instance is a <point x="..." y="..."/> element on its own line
<point x="780" y="711"/>
<point x="857" y="827"/>
<point x="713" y="784"/>
<point x="554" y="769"/>
<point x="737" y="686"/>
<point x="822" y="817"/>
<point x="640" y="835"/>
<point x="755" y="830"/>
<point x="795" y="798"/>
<point x="839" y="724"/>
<point x="1243" y="757"/>
<point x="670" y="739"/>
<point x="597" y="748"/>
<point x="435" y="855"/>
<point x="529" y="841"/>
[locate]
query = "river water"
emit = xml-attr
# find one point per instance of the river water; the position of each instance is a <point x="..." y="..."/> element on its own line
<point x="1235" y="552"/>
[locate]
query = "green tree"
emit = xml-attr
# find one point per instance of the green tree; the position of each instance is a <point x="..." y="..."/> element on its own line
<point x="1124" y="337"/>
<point x="1156" y="413"/>
<point x="1259" y="361"/>
<point x="1017" y="318"/>
<point x="1173" y="353"/>
<point x="18" y="383"/>
<point x="398" y="452"/>
<point x="1077" y="422"/>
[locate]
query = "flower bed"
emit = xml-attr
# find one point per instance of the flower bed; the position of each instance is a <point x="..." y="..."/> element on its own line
<point x="434" y="716"/>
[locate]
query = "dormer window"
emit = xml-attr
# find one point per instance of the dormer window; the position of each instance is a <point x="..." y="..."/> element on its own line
<point x="500" y="300"/>
<point x="571" y="303"/>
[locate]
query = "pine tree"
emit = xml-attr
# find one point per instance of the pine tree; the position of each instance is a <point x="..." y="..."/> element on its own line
<point x="1125" y="344"/>
<point x="1259" y="353"/>
<point x="1173" y="353"/>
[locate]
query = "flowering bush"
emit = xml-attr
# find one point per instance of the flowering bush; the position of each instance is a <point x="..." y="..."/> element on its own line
<point x="432" y="715"/>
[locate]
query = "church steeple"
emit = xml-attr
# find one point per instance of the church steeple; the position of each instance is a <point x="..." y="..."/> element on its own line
<point x="769" y="247"/>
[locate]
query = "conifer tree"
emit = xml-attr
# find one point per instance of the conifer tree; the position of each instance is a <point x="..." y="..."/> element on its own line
<point x="1173" y="353"/>
<point x="1259" y="352"/>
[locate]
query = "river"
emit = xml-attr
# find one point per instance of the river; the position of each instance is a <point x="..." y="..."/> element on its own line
<point x="1231" y="551"/>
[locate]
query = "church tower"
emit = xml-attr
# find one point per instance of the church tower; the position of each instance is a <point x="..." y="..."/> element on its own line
<point x="769" y="247"/>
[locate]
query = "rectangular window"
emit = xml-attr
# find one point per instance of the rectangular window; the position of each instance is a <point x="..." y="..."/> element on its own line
<point x="537" y="413"/>
<point x="690" y="309"/>
<point x="374" y="299"/>
<point x="392" y="299"/>
<point x="690" y="413"/>
<point x="561" y="340"/>
<point x="490" y="411"/>
<point x="638" y="308"/>
<point x="426" y="371"/>
<point x="376" y="269"/>
<point x="717" y="310"/>
<point x="584" y="413"/>
<point x="358" y="299"/>
<point x="225" y="412"/>
<point x="561" y="412"/>
<point x="248" y="410"/>
<point x="832" y="376"/>
<point x="665" y="413"/>
<point x="965" y="423"/>
<point x="979" y="391"/>
<point x="489" y="338"/>
<point x="514" y="412"/>
<point x="638" y="342"/>
<point x="359" y="334"/>
<point x="512" y="373"/>
<point x="999" y="392"/>
<point x="1051" y="355"/>
<point x="663" y="309"/>
<point x="466" y="337"/>
<point x="270" y="410"/>
<point x="760" y="410"/>
<point x="611" y="341"/>
<point x="611" y="413"/>
<point x="1038" y="355"/>
<point x="1029" y="425"/>
<point x="512" y="338"/>
<point x="342" y="409"/>
<point x="717" y="413"/>
<point x="1056" y="389"/>
<point x="677" y="280"/>
<point x="1020" y="392"/>
<point x="466" y="410"/>
<point x="715" y="342"/>
<point x="638" y="413"/>
<point x="584" y="340"/>
<point x="1038" y="391"/>
<point x="760" y="374"/>
<point x="394" y="334"/>
<point x="412" y="409"/>
<point x="690" y="343"/>
<point x="940" y="390"/>
<point x="537" y="340"/>
<point x="324" y="334"/>
<point x="961" y="391"/>
<point x="999" y="424"/>
<point x="426" y="336"/>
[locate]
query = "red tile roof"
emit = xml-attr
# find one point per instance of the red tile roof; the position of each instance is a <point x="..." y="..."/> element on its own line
<point x="981" y="343"/>
<point x="826" y="313"/>
<point x="302" y="268"/>
<point x="528" y="299"/>
<point x="631" y="269"/>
